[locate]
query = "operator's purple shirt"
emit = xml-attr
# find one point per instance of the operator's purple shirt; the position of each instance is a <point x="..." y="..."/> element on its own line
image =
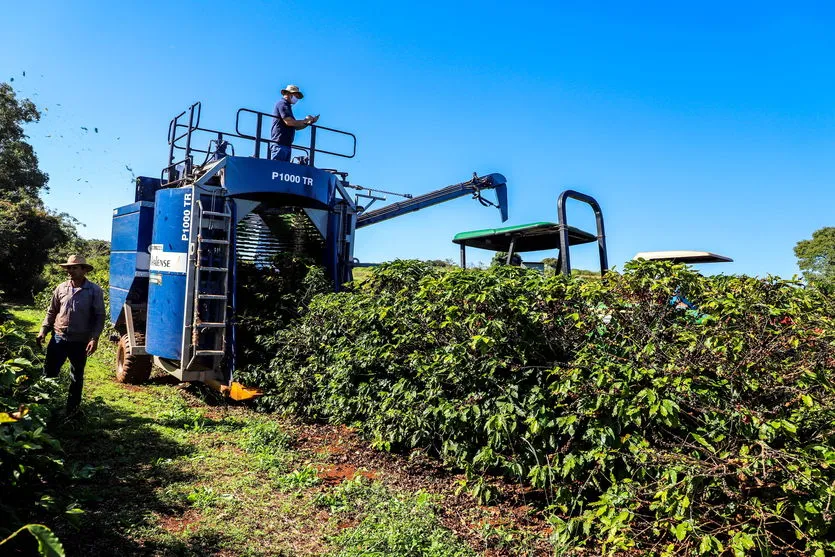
<point x="76" y="316"/>
<point x="281" y="132"/>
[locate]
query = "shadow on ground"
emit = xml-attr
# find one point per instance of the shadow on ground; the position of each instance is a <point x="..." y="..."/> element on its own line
<point x="123" y="480"/>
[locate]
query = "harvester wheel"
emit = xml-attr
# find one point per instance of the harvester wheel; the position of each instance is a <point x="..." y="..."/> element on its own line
<point x="129" y="368"/>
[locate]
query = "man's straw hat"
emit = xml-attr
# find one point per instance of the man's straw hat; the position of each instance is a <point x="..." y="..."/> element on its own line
<point x="76" y="260"/>
<point x="292" y="89"/>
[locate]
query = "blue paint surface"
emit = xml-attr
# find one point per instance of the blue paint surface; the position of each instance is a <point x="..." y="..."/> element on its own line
<point x="167" y="288"/>
<point x="118" y="296"/>
<point x="146" y="188"/>
<point x="124" y="269"/>
<point x="131" y="235"/>
<point x="132" y="225"/>
<point x="279" y="182"/>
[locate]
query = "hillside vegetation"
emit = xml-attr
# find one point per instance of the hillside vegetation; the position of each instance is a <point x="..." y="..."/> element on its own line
<point x="642" y="425"/>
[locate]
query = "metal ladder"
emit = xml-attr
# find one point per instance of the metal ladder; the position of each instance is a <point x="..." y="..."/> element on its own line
<point x="211" y="276"/>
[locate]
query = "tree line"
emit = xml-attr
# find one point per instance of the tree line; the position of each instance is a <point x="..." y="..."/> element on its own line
<point x="31" y="235"/>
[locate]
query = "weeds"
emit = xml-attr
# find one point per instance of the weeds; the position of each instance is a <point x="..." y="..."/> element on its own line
<point x="522" y="543"/>
<point x="205" y="497"/>
<point x="269" y="443"/>
<point x="388" y="524"/>
<point x="306" y="476"/>
<point x="259" y="437"/>
<point x="184" y="417"/>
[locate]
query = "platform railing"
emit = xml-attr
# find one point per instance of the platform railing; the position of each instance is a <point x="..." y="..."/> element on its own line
<point x="310" y="149"/>
<point x="182" y="129"/>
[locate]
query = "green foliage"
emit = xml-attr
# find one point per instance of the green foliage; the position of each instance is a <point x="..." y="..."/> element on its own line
<point x="500" y="258"/>
<point x="48" y="543"/>
<point x="184" y="416"/>
<point x="20" y="178"/>
<point x="816" y="257"/>
<point x="97" y="253"/>
<point x="388" y="524"/>
<point x="264" y="436"/>
<point x="269" y="442"/>
<point x="30" y="459"/>
<point x="521" y="542"/>
<point x="646" y="426"/>
<point x="203" y="497"/>
<point x="303" y="477"/>
<point x="27" y="234"/>
<point x="28" y="231"/>
<point x="444" y="263"/>
<point x="269" y="299"/>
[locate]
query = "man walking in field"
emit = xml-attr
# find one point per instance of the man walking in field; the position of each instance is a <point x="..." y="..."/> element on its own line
<point x="285" y="124"/>
<point x="76" y="319"/>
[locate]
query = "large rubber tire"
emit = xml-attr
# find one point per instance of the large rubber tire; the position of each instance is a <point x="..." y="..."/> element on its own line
<point x="129" y="368"/>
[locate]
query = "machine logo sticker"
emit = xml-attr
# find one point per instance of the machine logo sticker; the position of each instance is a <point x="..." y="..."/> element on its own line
<point x="172" y="261"/>
<point x="186" y="217"/>
<point x="292" y="178"/>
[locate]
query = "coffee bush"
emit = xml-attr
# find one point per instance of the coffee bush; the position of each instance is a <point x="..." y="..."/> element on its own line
<point x="648" y="426"/>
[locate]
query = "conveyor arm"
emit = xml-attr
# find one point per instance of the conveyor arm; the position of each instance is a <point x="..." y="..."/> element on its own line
<point x="473" y="187"/>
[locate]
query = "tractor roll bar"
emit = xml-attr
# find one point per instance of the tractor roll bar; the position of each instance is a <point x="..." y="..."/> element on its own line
<point x="565" y="260"/>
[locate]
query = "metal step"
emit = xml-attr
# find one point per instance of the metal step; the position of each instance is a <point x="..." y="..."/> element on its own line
<point x="213" y="231"/>
<point x="209" y="353"/>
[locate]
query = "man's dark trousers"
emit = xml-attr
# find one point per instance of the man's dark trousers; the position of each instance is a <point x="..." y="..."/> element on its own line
<point x="281" y="152"/>
<point x="57" y="352"/>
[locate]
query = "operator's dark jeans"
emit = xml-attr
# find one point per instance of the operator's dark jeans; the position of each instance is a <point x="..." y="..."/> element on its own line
<point x="57" y="352"/>
<point x="281" y="152"/>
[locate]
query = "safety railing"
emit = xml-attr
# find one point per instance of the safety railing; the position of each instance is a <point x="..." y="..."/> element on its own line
<point x="184" y="126"/>
<point x="310" y="149"/>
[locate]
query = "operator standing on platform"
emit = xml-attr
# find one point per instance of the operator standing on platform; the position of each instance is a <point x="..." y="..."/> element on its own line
<point x="285" y="124"/>
<point x="76" y="319"/>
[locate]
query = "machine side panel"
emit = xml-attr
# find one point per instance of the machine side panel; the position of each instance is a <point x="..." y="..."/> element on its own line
<point x="288" y="183"/>
<point x="127" y="270"/>
<point x="146" y="188"/>
<point x="167" y="274"/>
<point x="132" y="225"/>
<point x="118" y="297"/>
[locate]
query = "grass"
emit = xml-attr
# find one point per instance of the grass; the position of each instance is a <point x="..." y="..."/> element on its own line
<point x="388" y="524"/>
<point x="161" y="472"/>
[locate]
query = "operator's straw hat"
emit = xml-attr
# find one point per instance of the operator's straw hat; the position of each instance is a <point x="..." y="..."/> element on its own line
<point x="76" y="260"/>
<point x="292" y="89"/>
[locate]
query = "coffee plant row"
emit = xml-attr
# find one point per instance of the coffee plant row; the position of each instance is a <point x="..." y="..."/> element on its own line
<point x="646" y="425"/>
<point x="31" y="460"/>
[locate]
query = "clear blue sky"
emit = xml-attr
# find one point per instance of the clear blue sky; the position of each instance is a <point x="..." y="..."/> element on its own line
<point x="701" y="126"/>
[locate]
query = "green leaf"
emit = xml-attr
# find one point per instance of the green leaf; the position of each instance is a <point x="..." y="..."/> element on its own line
<point x="48" y="543"/>
<point x="810" y="508"/>
<point x="680" y="531"/>
<point x="788" y="426"/>
<point x="702" y="441"/>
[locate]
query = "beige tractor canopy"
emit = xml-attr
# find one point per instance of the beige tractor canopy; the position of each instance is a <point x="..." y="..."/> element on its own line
<point x="683" y="256"/>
